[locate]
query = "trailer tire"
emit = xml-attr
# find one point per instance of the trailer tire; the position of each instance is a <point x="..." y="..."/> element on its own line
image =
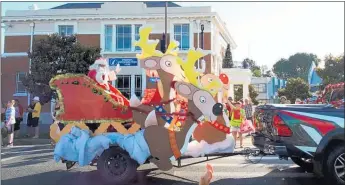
<point x="116" y="166"/>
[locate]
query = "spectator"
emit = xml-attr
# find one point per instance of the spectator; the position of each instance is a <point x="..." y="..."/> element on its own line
<point x="298" y="101"/>
<point x="283" y="100"/>
<point x="10" y="120"/>
<point x="19" y="117"/>
<point x="237" y="118"/>
<point x="248" y="109"/>
<point x="29" y="118"/>
<point x="33" y="123"/>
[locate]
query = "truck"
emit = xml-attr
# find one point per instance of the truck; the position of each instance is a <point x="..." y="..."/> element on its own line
<point x="311" y="135"/>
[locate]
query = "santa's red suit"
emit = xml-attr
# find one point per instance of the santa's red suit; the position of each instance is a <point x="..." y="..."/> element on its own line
<point x="113" y="92"/>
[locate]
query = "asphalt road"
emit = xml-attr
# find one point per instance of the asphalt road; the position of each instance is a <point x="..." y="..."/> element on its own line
<point x="34" y="165"/>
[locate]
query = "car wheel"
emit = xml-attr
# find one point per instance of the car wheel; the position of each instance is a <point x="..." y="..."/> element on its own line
<point x="334" y="169"/>
<point x="116" y="166"/>
<point x="303" y="163"/>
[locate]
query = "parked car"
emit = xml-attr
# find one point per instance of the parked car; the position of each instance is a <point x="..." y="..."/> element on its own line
<point x="311" y="135"/>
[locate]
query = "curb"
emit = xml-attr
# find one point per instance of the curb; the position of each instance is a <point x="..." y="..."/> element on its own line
<point x="30" y="141"/>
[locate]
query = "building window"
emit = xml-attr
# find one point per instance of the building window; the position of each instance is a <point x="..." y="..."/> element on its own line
<point x="19" y="84"/>
<point x="123" y="84"/>
<point x="66" y="30"/>
<point x="108" y="38"/>
<point x="136" y="35"/>
<point x="123" y="37"/>
<point x="138" y="85"/>
<point x="181" y="34"/>
<point x="260" y="88"/>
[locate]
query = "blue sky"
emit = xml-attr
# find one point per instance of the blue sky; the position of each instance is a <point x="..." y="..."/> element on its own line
<point x="268" y="31"/>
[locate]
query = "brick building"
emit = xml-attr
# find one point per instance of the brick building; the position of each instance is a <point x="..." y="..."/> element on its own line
<point x="112" y="26"/>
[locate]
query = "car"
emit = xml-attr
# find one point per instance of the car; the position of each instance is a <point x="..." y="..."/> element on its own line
<point x="311" y="135"/>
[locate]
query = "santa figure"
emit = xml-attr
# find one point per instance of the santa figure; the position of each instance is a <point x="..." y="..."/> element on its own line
<point x="101" y="73"/>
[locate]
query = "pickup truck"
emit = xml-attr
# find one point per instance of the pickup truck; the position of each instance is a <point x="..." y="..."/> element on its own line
<point x="311" y="135"/>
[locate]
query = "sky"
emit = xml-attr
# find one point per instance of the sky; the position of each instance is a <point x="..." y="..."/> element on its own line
<point x="267" y="31"/>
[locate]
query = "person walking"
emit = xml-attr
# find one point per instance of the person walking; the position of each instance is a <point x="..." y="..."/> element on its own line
<point x="248" y="109"/>
<point x="35" y="113"/>
<point x="19" y="117"/>
<point x="10" y="120"/>
<point x="237" y="118"/>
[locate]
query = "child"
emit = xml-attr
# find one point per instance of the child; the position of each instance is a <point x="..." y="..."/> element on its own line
<point x="237" y="119"/>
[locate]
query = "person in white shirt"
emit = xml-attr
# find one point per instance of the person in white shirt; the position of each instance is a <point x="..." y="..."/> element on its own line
<point x="10" y="120"/>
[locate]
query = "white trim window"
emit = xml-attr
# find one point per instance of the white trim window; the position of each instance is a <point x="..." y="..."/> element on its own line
<point x="138" y="86"/>
<point x="182" y="35"/>
<point x="20" y="89"/>
<point x="124" y="37"/>
<point x="66" y="30"/>
<point x="136" y="35"/>
<point x="108" y="38"/>
<point x="123" y="84"/>
<point x="260" y="88"/>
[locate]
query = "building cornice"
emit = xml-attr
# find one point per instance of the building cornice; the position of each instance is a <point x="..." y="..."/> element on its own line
<point x="9" y="19"/>
<point x="221" y="25"/>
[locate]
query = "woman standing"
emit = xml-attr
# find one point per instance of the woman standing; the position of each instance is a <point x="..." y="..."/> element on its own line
<point x="237" y="118"/>
<point x="19" y="117"/>
<point x="10" y="120"/>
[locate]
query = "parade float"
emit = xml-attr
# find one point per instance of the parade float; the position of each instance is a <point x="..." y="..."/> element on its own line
<point x="157" y="129"/>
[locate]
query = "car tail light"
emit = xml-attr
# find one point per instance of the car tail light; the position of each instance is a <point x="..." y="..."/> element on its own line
<point x="281" y="128"/>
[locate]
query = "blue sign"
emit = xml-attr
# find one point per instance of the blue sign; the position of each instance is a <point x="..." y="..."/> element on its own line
<point x="154" y="79"/>
<point x="123" y="61"/>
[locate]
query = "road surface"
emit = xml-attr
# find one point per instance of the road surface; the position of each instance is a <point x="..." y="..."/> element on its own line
<point x="34" y="165"/>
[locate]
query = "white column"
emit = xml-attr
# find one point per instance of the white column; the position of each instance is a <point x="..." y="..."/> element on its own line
<point x="231" y="91"/>
<point x="132" y="84"/>
<point x="143" y="81"/>
<point x="245" y="91"/>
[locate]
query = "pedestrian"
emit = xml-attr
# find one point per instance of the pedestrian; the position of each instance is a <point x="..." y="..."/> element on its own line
<point x="237" y="118"/>
<point x="35" y="111"/>
<point x="19" y="117"/>
<point x="298" y="101"/>
<point x="10" y="120"/>
<point x="283" y="100"/>
<point x="248" y="109"/>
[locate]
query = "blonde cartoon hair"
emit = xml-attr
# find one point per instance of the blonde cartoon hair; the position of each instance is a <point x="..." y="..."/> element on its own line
<point x="148" y="47"/>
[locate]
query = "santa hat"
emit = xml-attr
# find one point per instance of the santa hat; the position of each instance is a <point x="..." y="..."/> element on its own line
<point x="101" y="61"/>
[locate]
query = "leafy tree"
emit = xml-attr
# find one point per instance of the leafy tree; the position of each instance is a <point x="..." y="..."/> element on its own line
<point x="295" y="66"/>
<point x="257" y="73"/>
<point x="252" y="94"/>
<point x="227" y="61"/>
<point x="268" y="73"/>
<point x="333" y="71"/>
<point x="56" y="55"/>
<point x="295" y="88"/>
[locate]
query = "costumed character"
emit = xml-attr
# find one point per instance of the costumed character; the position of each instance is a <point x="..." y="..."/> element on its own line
<point x="100" y="72"/>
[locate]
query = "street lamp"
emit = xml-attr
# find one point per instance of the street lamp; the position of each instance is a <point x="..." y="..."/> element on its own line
<point x="32" y="26"/>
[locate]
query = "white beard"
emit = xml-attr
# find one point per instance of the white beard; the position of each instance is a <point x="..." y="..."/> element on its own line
<point x="99" y="75"/>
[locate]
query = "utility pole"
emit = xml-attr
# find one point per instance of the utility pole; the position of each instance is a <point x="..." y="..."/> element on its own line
<point x="32" y="25"/>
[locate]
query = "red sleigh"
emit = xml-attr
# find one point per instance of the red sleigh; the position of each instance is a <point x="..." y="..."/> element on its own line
<point x="82" y="100"/>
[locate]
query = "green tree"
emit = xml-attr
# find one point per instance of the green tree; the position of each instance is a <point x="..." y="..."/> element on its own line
<point x="56" y="55"/>
<point x="295" y="66"/>
<point x="295" y="88"/>
<point x="333" y="71"/>
<point x="251" y="64"/>
<point x="252" y="94"/>
<point x="227" y="61"/>
<point x="267" y="74"/>
<point x="257" y="73"/>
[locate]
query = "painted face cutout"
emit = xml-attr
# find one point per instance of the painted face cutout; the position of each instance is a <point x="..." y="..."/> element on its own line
<point x="169" y="64"/>
<point x="151" y="63"/>
<point x="211" y="82"/>
<point x="203" y="100"/>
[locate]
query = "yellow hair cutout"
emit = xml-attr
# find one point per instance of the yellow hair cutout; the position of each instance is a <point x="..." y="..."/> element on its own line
<point x="189" y="66"/>
<point x="148" y="47"/>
